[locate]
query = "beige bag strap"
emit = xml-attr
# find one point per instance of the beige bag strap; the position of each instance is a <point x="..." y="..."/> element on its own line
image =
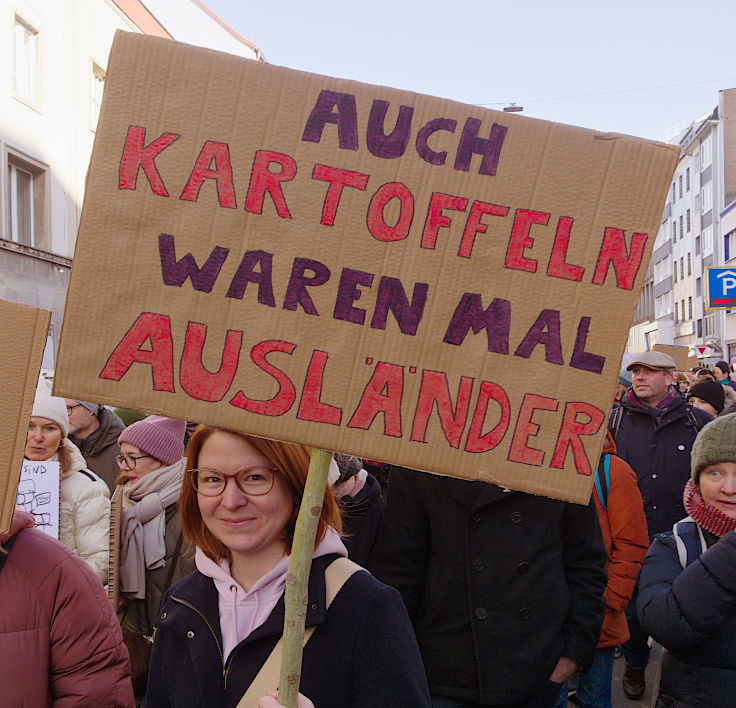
<point x="336" y="575"/>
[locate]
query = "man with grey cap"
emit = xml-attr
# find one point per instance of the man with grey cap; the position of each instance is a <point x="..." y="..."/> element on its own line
<point x="94" y="430"/>
<point x="654" y="429"/>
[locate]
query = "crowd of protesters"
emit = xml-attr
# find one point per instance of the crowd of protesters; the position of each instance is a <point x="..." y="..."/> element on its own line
<point x="166" y="587"/>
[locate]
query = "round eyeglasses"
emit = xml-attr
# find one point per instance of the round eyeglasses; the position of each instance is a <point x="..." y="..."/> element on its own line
<point x="70" y="409"/>
<point x="253" y="481"/>
<point x="129" y="460"/>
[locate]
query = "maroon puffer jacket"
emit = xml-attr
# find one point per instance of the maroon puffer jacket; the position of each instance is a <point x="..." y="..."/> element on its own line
<point x="60" y="643"/>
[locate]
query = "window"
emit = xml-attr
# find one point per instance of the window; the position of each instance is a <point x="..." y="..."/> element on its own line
<point x="700" y="329"/>
<point x="687" y="179"/>
<point x="689" y="265"/>
<point x="698" y="287"/>
<point x="729" y="245"/>
<point x="27" y="221"/>
<point x="26" y="68"/>
<point x="97" y="84"/>
<point x="674" y="230"/>
<point x="706" y="153"/>
<point x="682" y="267"/>
<point x="682" y="309"/>
<point x="710" y="324"/>
<point x="661" y="270"/>
<point x="679" y="186"/>
<point x="674" y="194"/>
<point x="674" y="272"/>
<point x="682" y="231"/>
<point x="676" y="311"/>
<point x="687" y="220"/>
<point x="707" y="240"/>
<point x="706" y="198"/>
<point x="690" y="308"/>
<point x="697" y="245"/>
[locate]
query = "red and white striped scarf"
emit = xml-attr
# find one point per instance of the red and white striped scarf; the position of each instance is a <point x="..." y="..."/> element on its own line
<point x="706" y="515"/>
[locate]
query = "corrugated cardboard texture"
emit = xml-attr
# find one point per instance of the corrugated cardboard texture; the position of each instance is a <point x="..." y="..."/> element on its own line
<point x="677" y="352"/>
<point x="358" y="268"/>
<point x="24" y="331"/>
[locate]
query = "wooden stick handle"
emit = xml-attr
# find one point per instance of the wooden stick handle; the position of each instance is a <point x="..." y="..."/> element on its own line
<point x="297" y="577"/>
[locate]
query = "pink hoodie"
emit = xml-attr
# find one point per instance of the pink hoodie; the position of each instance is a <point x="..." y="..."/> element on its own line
<point x="241" y="612"/>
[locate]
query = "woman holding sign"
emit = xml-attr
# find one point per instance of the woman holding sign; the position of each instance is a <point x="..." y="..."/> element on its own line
<point x="218" y="633"/>
<point x="85" y="499"/>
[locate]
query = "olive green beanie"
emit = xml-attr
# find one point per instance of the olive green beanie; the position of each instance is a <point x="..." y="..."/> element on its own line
<point x="716" y="442"/>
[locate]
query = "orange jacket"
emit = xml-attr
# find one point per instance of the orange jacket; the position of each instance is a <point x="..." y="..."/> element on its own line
<point x="624" y="529"/>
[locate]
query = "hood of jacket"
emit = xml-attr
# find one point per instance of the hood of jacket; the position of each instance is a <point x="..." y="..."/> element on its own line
<point x="609" y="446"/>
<point x="243" y="611"/>
<point x="107" y="434"/>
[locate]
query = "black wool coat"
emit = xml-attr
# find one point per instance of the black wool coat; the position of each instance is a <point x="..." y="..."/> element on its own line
<point x="363" y="651"/>
<point x="499" y="584"/>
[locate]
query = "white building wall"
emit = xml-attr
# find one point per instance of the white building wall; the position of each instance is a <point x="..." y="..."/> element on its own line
<point x="53" y="135"/>
<point x="189" y="21"/>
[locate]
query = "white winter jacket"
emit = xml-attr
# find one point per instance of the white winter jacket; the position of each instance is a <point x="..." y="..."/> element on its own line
<point x="84" y="523"/>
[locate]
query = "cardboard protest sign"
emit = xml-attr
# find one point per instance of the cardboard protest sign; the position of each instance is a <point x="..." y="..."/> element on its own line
<point x="24" y="331"/>
<point x="677" y="352"/>
<point x="358" y="268"/>
<point x="39" y="493"/>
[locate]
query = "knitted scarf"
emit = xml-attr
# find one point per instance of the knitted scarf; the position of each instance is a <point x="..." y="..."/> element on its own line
<point x="142" y="544"/>
<point x="706" y="515"/>
<point x="657" y="410"/>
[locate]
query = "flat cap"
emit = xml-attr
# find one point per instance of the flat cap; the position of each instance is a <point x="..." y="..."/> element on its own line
<point x="652" y="360"/>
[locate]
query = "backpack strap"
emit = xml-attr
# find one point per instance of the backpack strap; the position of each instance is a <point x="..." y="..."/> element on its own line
<point x="689" y="540"/>
<point x="614" y="422"/>
<point x="603" y="480"/>
<point x="336" y="575"/>
<point x="693" y="419"/>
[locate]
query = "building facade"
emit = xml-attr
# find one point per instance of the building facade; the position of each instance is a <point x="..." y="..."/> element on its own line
<point x="697" y="231"/>
<point x="53" y="72"/>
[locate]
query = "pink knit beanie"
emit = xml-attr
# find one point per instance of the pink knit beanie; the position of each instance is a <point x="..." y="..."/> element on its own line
<point x="162" y="438"/>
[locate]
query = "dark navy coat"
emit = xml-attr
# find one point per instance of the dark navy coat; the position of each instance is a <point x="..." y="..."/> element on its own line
<point x="692" y="613"/>
<point x="657" y="447"/>
<point x="363" y="651"/>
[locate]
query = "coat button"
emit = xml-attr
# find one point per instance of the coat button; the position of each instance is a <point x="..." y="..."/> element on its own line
<point x="654" y="476"/>
<point x="515" y="517"/>
<point x="190" y="634"/>
<point x="680" y="447"/>
<point x="481" y="613"/>
<point x="524" y="614"/>
<point x="479" y="565"/>
<point x="163" y="615"/>
<point x="522" y="568"/>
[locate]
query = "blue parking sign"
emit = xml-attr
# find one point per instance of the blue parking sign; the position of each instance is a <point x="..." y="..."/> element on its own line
<point x="721" y="289"/>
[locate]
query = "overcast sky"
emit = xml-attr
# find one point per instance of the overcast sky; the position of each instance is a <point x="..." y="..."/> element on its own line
<point x="643" y="67"/>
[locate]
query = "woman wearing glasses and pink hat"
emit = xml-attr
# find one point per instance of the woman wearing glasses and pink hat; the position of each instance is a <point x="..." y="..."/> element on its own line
<point x="218" y="632"/>
<point x="147" y="553"/>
